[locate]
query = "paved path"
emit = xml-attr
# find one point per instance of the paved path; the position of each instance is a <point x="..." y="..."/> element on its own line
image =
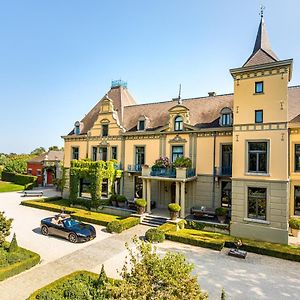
<point x="89" y="258"/>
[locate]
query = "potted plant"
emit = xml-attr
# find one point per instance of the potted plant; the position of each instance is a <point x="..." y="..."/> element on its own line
<point x="221" y="214"/>
<point x="140" y="206"/>
<point x="121" y="200"/>
<point x="174" y="208"/>
<point x="295" y="226"/>
<point x="113" y="199"/>
<point x="182" y="162"/>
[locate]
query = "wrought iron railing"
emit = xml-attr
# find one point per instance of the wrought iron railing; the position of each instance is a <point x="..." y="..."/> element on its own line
<point x="134" y="168"/>
<point x="190" y="172"/>
<point x="171" y="172"/>
<point x="224" y="171"/>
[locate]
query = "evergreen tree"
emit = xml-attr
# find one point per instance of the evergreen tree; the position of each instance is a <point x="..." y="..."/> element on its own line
<point x="223" y="296"/>
<point x="13" y="244"/>
<point x="102" y="277"/>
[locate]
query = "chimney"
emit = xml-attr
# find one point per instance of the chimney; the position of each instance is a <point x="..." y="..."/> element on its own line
<point x="212" y="94"/>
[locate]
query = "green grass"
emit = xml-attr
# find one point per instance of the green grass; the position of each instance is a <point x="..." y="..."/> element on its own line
<point x="10" y="187"/>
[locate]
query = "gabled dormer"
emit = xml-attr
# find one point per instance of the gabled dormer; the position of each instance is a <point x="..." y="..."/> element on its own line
<point x="179" y="116"/>
<point x="143" y="123"/>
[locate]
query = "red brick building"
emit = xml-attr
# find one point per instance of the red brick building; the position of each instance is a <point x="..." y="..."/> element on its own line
<point x="46" y="167"/>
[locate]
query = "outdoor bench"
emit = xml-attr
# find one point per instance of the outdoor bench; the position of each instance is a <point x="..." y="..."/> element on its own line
<point x="33" y="194"/>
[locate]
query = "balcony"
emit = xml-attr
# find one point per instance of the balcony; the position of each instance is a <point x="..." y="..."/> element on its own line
<point x="223" y="171"/>
<point x="179" y="173"/>
<point x="134" y="168"/>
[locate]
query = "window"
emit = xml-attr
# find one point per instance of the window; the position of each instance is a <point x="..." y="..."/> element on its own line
<point x="139" y="155"/>
<point x="257" y="203"/>
<point x="177" y="151"/>
<point x="138" y="187"/>
<point x="94" y="154"/>
<point x="104" y="192"/>
<point x="103" y="153"/>
<point x="75" y="153"/>
<point x="226" y="194"/>
<point x="178" y="123"/>
<point x="226" y="160"/>
<point x="141" y="125"/>
<point x="259" y="116"/>
<point x="297" y="158"/>
<point x="29" y="171"/>
<point x="105" y="130"/>
<point x="39" y="172"/>
<point x="226" y="119"/>
<point x="114" y="152"/>
<point x="297" y="200"/>
<point x="257" y="157"/>
<point x="259" y="87"/>
<point x="85" y="188"/>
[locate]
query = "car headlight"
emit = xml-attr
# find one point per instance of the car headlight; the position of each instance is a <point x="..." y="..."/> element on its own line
<point x="80" y="234"/>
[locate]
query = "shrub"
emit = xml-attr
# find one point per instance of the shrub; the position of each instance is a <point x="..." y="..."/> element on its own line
<point x="162" y="162"/>
<point x="174" y="207"/>
<point x="121" y="198"/>
<point x="28" y="186"/>
<point x="141" y="202"/>
<point x="129" y="222"/>
<point x="195" y="225"/>
<point x="19" y="178"/>
<point x="114" y="226"/>
<point x="154" y="235"/>
<point x="113" y="197"/>
<point x="181" y="224"/>
<point x="294" y="223"/>
<point x="93" y="217"/>
<point x="221" y="211"/>
<point x="5" y="225"/>
<point x="13" y="244"/>
<point x="53" y="199"/>
<point x="167" y="227"/>
<point x="182" y="162"/>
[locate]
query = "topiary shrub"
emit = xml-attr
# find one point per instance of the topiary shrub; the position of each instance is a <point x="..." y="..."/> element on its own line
<point x="221" y="211"/>
<point x="141" y="202"/>
<point x="5" y="225"/>
<point x="294" y="223"/>
<point x="121" y="199"/>
<point x="154" y="235"/>
<point x="174" y="207"/>
<point x="13" y="244"/>
<point x="114" y="226"/>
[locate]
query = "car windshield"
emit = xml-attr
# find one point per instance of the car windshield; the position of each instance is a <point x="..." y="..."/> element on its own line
<point x="70" y="222"/>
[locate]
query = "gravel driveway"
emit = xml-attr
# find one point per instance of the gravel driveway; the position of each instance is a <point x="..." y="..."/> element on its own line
<point x="26" y="226"/>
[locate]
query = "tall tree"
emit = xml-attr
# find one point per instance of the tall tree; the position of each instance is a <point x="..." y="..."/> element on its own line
<point x="38" y="151"/>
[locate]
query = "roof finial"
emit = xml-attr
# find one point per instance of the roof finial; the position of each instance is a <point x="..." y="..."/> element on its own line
<point x="179" y="95"/>
<point x="262" y="8"/>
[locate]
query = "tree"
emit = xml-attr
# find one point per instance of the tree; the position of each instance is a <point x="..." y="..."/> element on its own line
<point x="5" y="225"/>
<point x="223" y="296"/>
<point x="13" y="244"/>
<point x="38" y="151"/>
<point x="55" y="148"/>
<point x="150" y="276"/>
<point x="102" y="280"/>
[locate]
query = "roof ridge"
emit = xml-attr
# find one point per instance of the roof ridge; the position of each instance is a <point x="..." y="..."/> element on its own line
<point x="186" y="99"/>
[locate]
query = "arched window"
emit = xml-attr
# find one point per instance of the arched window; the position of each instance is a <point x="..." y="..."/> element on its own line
<point x="226" y="117"/>
<point x="178" y="123"/>
<point x="77" y="127"/>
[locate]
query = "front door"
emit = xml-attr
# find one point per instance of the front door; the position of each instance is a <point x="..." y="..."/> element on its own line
<point x="226" y="160"/>
<point x="49" y="176"/>
<point x="226" y="194"/>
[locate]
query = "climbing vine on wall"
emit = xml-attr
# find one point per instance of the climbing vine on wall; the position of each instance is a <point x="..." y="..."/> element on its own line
<point x="94" y="172"/>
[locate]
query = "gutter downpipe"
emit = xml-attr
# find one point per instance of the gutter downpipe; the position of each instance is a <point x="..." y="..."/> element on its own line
<point x="214" y="171"/>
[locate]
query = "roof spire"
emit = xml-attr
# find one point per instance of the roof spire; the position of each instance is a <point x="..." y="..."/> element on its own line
<point x="262" y="51"/>
<point x="179" y="95"/>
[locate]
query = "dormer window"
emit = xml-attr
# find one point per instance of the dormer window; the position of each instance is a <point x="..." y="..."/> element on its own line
<point x="141" y="125"/>
<point x="77" y="128"/>
<point x="178" y="123"/>
<point x="226" y="117"/>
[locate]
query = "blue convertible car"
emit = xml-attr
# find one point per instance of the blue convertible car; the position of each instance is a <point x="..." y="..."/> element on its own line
<point x="66" y="227"/>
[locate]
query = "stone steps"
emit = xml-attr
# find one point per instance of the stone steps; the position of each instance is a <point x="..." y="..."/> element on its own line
<point x="153" y="221"/>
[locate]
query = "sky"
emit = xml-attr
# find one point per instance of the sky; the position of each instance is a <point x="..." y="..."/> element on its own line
<point x="58" y="58"/>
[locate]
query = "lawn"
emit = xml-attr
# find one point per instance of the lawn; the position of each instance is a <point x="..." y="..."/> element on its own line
<point x="10" y="187"/>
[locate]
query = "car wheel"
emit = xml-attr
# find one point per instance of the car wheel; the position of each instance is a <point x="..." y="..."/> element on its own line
<point x="44" y="230"/>
<point x="73" y="237"/>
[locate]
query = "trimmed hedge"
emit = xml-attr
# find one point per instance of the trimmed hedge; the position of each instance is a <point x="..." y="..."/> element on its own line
<point x="19" y="178"/>
<point x="47" y="206"/>
<point x="60" y="282"/>
<point x="194" y="237"/>
<point x="154" y="235"/>
<point x="94" y="217"/>
<point x="167" y="227"/>
<point x="120" y="225"/>
<point x="20" y="266"/>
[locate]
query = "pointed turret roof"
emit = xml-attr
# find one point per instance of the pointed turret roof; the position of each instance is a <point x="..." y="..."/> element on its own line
<point x="262" y="52"/>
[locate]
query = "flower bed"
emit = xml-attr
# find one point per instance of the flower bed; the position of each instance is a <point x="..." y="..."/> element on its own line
<point x="13" y="263"/>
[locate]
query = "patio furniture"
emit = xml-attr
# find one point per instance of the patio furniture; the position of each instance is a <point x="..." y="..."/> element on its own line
<point x="33" y="194"/>
<point x="203" y="211"/>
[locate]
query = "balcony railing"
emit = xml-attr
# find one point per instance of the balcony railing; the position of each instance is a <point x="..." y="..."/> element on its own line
<point x="224" y="171"/>
<point x="172" y="172"/>
<point x="134" y="168"/>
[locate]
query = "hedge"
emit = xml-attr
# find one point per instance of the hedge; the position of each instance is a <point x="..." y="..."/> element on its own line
<point x="192" y="237"/>
<point x="19" y="178"/>
<point x="120" y="225"/>
<point x="20" y="266"/>
<point x="59" y="282"/>
<point x="47" y="206"/>
<point x="93" y="217"/>
<point x="287" y="252"/>
<point x="167" y="227"/>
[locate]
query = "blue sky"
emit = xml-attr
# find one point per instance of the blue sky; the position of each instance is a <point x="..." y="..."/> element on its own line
<point x="57" y="58"/>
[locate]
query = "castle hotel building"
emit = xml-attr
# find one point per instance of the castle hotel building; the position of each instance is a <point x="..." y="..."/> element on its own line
<point x="244" y="147"/>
